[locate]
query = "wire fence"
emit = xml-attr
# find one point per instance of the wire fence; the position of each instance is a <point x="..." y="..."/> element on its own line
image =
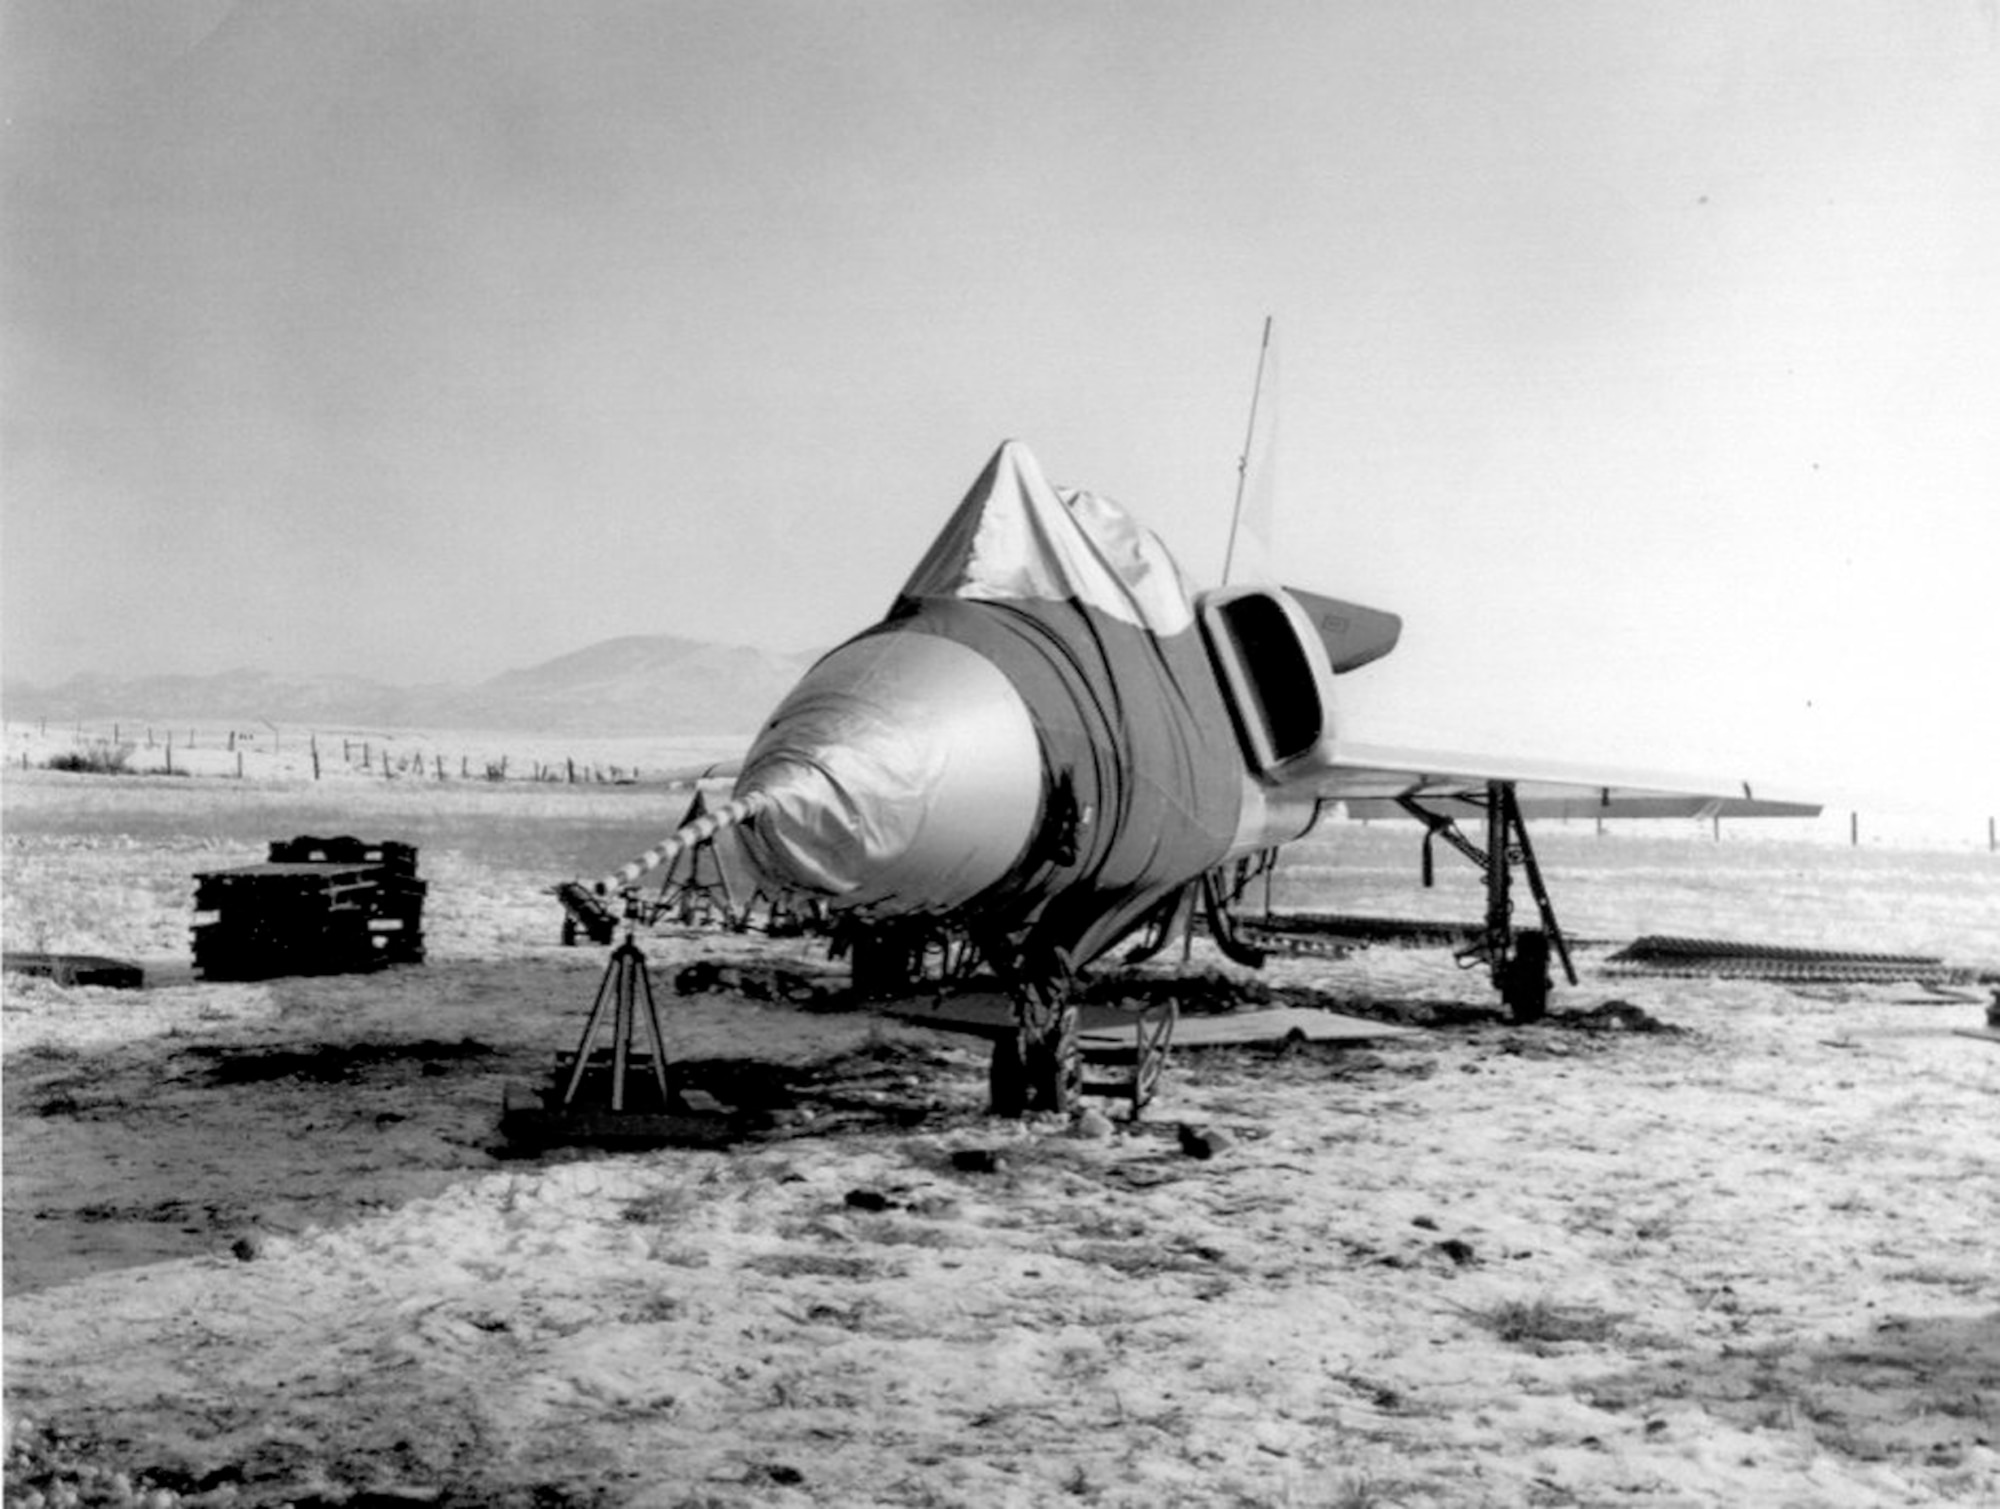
<point x="275" y="754"/>
<point x="269" y="753"/>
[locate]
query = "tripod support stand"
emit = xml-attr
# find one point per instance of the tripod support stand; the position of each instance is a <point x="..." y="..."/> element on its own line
<point x="626" y="1070"/>
<point x="618" y="1095"/>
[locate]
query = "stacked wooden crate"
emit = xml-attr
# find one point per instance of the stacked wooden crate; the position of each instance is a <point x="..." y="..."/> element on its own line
<point x="317" y="906"/>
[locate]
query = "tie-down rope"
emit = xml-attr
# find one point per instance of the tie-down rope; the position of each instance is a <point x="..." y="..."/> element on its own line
<point x="736" y="810"/>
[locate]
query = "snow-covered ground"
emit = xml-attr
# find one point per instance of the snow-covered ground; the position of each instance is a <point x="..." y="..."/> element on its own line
<point x="262" y="1245"/>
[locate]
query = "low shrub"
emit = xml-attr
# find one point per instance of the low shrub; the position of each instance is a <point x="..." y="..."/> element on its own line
<point x="99" y="757"/>
<point x="1544" y="1322"/>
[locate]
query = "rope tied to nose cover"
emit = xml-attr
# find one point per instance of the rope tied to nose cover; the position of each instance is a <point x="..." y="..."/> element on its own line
<point x="736" y="810"/>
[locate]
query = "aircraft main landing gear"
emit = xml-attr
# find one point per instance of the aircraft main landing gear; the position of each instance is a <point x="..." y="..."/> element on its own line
<point x="1518" y="961"/>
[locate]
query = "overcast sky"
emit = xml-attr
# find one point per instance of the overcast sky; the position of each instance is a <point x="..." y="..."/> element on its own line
<point x="1645" y="357"/>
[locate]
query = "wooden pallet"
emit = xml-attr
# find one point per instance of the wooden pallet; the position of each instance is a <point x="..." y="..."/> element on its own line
<point x="317" y="906"/>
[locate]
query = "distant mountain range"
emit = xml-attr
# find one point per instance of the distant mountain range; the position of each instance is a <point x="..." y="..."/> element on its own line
<point x="639" y="684"/>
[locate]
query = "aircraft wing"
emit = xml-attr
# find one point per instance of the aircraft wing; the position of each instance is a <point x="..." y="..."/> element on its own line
<point x="1369" y="778"/>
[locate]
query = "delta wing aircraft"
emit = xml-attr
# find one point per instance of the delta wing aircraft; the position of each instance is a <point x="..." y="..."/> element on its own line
<point x="1051" y="741"/>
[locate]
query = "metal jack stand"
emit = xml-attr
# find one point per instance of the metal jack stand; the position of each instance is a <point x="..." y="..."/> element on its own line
<point x="1519" y="962"/>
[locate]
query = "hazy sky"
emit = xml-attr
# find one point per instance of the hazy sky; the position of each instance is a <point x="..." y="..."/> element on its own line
<point x="1645" y="357"/>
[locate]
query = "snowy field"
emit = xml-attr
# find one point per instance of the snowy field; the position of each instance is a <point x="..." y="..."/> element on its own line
<point x="263" y="1247"/>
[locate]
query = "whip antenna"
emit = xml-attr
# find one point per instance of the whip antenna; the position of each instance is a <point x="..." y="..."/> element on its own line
<point x="1243" y="461"/>
<point x="732" y="812"/>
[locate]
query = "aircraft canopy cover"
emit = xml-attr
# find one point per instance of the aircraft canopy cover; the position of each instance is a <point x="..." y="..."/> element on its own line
<point x="1017" y="539"/>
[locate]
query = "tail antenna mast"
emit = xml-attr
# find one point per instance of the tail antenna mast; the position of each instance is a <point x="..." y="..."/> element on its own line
<point x="1243" y="461"/>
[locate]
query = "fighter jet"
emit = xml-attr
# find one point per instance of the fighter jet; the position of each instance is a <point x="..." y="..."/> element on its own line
<point x="1051" y="739"/>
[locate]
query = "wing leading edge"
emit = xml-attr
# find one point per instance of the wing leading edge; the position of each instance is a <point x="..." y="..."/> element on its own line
<point x="1371" y="779"/>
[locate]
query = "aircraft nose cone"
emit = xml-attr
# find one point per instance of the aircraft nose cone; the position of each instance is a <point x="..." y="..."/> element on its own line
<point x="904" y="775"/>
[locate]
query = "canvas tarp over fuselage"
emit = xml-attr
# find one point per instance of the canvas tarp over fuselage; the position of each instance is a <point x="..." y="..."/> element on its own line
<point x="1084" y="613"/>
